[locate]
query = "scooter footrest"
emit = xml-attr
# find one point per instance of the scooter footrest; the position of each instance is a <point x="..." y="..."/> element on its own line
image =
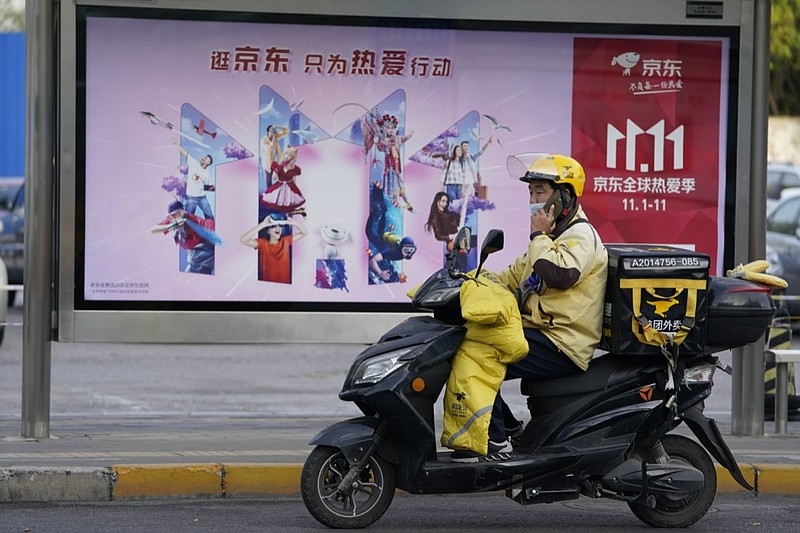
<point x="531" y="495"/>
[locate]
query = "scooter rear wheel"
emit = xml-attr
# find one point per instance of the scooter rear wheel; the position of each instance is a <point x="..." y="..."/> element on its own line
<point x="686" y="510"/>
<point x="361" y="505"/>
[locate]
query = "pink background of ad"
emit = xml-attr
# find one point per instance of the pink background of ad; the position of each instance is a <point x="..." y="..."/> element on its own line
<point x="518" y="78"/>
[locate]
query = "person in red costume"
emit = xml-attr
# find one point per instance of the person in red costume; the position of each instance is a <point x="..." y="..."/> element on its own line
<point x="284" y="195"/>
<point x="192" y="233"/>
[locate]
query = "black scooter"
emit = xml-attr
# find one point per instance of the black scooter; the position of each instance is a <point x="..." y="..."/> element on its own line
<point x="601" y="434"/>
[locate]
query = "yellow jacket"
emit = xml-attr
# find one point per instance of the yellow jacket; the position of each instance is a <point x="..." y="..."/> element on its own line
<point x="573" y="266"/>
<point x="494" y="339"/>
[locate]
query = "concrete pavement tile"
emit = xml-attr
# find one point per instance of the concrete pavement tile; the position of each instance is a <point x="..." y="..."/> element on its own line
<point x="44" y="484"/>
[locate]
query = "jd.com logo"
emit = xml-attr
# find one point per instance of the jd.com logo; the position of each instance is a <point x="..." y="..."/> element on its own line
<point x="626" y="61"/>
<point x="657" y="75"/>
<point x="651" y="68"/>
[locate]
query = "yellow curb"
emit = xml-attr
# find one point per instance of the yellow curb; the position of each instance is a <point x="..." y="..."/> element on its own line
<point x="271" y="478"/>
<point x="779" y="479"/>
<point x="247" y="479"/>
<point x="173" y="480"/>
<point x="766" y="478"/>
<point x="726" y="483"/>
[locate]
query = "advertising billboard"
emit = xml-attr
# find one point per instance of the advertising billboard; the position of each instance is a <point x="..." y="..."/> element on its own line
<point x="286" y="163"/>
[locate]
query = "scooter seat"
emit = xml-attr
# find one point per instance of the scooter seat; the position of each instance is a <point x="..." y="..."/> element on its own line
<point x="604" y="371"/>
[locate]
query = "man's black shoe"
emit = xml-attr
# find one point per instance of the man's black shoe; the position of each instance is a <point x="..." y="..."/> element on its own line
<point x="498" y="451"/>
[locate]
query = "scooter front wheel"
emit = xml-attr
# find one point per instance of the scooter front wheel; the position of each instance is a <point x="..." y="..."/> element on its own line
<point x="360" y="504"/>
<point x="681" y="511"/>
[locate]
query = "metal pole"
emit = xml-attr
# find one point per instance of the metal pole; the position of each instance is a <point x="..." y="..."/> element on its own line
<point x="737" y="387"/>
<point x="753" y="355"/>
<point x="781" y="397"/>
<point x="39" y="169"/>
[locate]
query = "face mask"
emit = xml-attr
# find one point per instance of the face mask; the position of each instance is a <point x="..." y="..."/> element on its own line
<point x="536" y="207"/>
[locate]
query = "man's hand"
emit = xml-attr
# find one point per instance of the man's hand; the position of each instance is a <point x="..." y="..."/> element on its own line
<point x="176" y="223"/>
<point x="543" y="221"/>
<point x="535" y="283"/>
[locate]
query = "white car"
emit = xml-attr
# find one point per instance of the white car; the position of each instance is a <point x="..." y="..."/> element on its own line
<point x="785" y="193"/>
<point x="781" y="178"/>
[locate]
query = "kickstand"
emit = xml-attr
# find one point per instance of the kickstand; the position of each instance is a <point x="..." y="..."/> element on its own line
<point x="645" y="497"/>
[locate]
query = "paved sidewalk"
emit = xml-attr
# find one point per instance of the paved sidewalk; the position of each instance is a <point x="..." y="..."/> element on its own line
<point x="105" y="458"/>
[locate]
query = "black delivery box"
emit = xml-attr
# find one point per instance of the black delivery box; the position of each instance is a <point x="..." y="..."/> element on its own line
<point x="655" y="296"/>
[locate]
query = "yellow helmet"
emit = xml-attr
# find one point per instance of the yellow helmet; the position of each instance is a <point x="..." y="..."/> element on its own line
<point x="560" y="169"/>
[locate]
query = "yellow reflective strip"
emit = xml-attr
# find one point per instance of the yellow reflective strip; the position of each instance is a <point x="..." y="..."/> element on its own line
<point x="662" y="283"/>
<point x="691" y="304"/>
<point x="636" y="301"/>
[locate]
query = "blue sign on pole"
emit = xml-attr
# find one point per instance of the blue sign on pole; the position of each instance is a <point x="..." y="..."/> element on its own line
<point x="12" y="104"/>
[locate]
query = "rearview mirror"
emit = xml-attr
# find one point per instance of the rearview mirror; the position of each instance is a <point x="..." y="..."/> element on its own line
<point x="493" y="242"/>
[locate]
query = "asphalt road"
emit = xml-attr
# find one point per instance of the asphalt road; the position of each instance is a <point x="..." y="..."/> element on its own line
<point x="730" y="513"/>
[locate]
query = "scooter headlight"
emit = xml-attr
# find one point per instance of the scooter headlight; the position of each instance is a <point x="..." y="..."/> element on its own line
<point x="376" y="368"/>
<point x="440" y="295"/>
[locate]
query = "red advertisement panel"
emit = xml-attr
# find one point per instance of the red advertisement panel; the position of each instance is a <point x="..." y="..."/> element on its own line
<point x="647" y="126"/>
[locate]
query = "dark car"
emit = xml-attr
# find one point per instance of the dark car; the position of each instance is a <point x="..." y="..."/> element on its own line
<point x="12" y="233"/>
<point x="8" y="191"/>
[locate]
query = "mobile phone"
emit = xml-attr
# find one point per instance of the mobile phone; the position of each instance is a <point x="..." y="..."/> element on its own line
<point x="554" y="200"/>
